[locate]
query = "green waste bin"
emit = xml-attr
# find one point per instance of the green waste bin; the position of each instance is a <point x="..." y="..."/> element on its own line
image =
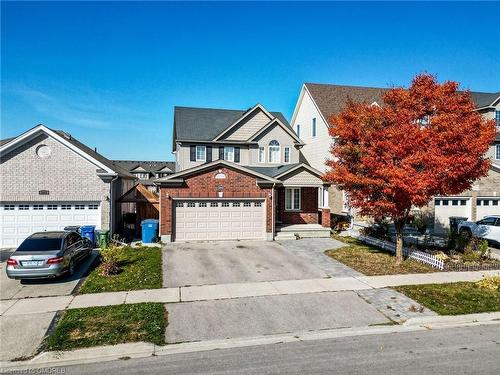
<point x="103" y="238"/>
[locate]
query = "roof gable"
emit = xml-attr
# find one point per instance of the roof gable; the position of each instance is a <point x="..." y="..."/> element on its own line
<point x="104" y="166"/>
<point x="246" y="126"/>
<point x="276" y="123"/>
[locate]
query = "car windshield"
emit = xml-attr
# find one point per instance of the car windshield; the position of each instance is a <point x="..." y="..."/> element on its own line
<point x="40" y="244"/>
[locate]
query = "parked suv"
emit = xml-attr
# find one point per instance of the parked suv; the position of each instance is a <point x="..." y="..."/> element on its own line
<point x="487" y="228"/>
<point x="48" y="254"/>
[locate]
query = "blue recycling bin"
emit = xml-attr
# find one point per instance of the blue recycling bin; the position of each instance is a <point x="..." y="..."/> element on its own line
<point x="149" y="230"/>
<point x="88" y="231"/>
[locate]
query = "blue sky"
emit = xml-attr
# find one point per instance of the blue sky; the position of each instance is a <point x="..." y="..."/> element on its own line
<point x="111" y="73"/>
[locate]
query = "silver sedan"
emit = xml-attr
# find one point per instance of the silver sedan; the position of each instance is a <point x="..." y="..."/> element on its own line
<point x="48" y="254"/>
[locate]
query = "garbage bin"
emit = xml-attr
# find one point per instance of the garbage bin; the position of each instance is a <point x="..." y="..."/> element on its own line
<point x="88" y="232"/>
<point x="103" y="238"/>
<point x="149" y="230"/>
<point x="454" y="221"/>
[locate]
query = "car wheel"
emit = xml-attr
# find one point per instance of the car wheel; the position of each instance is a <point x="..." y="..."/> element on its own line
<point x="71" y="268"/>
<point x="467" y="233"/>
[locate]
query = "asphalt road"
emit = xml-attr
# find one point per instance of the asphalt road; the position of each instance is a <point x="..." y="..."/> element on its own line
<point x="471" y="350"/>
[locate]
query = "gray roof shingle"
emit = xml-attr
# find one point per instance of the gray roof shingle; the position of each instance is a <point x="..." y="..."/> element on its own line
<point x="204" y="124"/>
<point x="331" y="99"/>
<point x="274" y="170"/>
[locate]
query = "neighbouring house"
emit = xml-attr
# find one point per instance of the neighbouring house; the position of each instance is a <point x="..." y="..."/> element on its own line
<point x="239" y="175"/>
<point x="50" y="180"/>
<point x="318" y="102"/>
<point x="143" y="198"/>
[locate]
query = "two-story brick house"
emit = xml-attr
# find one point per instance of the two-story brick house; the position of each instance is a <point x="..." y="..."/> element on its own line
<point x="239" y="175"/>
<point x="318" y="102"/>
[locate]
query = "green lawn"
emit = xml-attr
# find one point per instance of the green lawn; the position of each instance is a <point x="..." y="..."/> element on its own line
<point x="109" y="325"/>
<point x="373" y="261"/>
<point x="142" y="269"/>
<point x="454" y="298"/>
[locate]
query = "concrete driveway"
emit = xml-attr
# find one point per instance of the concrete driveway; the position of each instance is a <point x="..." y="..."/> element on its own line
<point x="233" y="262"/>
<point x="247" y="317"/>
<point x="44" y="287"/>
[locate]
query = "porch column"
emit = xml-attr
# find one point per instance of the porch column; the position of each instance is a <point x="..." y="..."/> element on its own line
<point x="325" y="218"/>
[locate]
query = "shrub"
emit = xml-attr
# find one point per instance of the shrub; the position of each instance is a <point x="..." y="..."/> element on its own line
<point x="111" y="258"/>
<point x="421" y="221"/>
<point x="490" y="283"/>
<point x="475" y="250"/>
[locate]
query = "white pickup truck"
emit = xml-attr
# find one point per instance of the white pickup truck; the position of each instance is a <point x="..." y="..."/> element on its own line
<point x="487" y="228"/>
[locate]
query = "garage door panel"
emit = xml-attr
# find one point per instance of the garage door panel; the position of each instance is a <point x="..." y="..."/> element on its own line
<point x="20" y="219"/>
<point x="219" y="220"/>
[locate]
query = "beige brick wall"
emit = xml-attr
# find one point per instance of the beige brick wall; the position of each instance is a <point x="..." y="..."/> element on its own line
<point x="65" y="174"/>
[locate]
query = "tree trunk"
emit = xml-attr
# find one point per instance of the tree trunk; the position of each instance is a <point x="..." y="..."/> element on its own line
<point x="399" y="224"/>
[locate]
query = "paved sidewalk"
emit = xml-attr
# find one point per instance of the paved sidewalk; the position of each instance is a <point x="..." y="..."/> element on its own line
<point x="227" y="291"/>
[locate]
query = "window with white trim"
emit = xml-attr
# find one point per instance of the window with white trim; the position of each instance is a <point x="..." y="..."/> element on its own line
<point x="201" y="153"/>
<point x="297" y="130"/>
<point x="262" y="155"/>
<point x="79" y="206"/>
<point x="65" y="207"/>
<point x="93" y="206"/>
<point x="24" y="207"/>
<point x="191" y="204"/>
<point x="229" y="153"/>
<point x="38" y="206"/>
<point x="247" y="204"/>
<point x="52" y="207"/>
<point x="286" y="155"/>
<point x="202" y="204"/>
<point x="142" y="176"/>
<point x="274" y="152"/>
<point x="8" y="207"/>
<point x="225" y="204"/>
<point x="179" y="204"/>
<point x="497" y="151"/>
<point x="292" y="199"/>
<point x="313" y="127"/>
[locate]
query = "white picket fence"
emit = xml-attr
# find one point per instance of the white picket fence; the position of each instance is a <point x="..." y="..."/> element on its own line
<point x="417" y="255"/>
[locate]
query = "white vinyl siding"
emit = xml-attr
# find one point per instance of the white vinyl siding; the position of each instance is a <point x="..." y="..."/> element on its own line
<point x="292" y="199"/>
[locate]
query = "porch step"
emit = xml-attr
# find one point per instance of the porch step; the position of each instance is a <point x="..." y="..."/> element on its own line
<point x="291" y="232"/>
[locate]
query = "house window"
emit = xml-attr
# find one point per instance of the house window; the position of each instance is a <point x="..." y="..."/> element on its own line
<point x="202" y="204"/>
<point x="52" y="207"/>
<point x="201" y="153"/>
<point x="286" y="155"/>
<point x="298" y="130"/>
<point x="93" y="206"/>
<point x="142" y="176"/>
<point x="262" y="155"/>
<point x="23" y="207"/>
<point x="497" y="151"/>
<point x="236" y="204"/>
<point x="225" y="204"/>
<point x="191" y="204"/>
<point x="79" y="206"/>
<point x="8" y="207"/>
<point x="258" y="204"/>
<point x="247" y="204"/>
<point x="497" y="117"/>
<point x="213" y="204"/>
<point x="292" y="199"/>
<point x="179" y="204"/>
<point x="38" y="206"/>
<point x="229" y="153"/>
<point x="274" y="152"/>
<point x="65" y="207"/>
<point x="313" y="127"/>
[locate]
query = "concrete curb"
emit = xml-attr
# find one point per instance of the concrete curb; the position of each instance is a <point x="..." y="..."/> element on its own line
<point x="142" y="349"/>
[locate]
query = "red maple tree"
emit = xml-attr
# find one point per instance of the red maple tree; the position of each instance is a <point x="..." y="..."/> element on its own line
<point x="419" y="142"/>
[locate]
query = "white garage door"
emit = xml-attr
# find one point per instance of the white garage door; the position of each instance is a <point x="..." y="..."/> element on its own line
<point x="445" y="207"/>
<point x="219" y="220"/>
<point x="487" y="206"/>
<point x="19" y="220"/>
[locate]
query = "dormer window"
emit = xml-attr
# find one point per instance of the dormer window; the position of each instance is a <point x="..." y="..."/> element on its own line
<point x="274" y="152"/>
<point x="142" y="176"/>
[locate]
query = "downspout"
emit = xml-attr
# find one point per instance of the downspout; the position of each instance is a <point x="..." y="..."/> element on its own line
<point x="272" y="214"/>
<point x="111" y="206"/>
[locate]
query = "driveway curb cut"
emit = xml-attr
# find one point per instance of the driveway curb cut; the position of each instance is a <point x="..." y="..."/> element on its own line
<point x="142" y="349"/>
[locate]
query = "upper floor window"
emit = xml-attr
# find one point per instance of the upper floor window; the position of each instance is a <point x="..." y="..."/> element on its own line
<point x="497" y="117"/>
<point x="229" y="153"/>
<point x="262" y="155"/>
<point x="274" y="152"/>
<point x="298" y="130"/>
<point x="313" y="127"/>
<point x="142" y="176"/>
<point x="286" y="154"/>
<point x="201" y="153"/>
<point x="497" y="151"/>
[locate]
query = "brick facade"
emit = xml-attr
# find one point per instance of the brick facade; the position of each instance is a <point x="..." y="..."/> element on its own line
<point x="308" y="214"/>
<point x="204" y="185"/>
